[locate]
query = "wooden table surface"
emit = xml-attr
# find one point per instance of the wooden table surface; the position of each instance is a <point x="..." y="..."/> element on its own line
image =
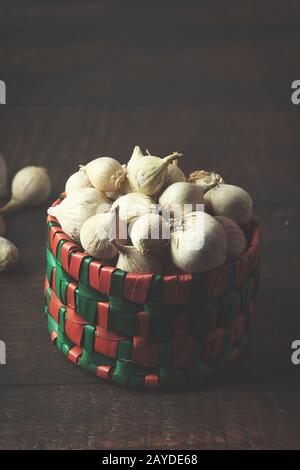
<point x="211" y="79"/>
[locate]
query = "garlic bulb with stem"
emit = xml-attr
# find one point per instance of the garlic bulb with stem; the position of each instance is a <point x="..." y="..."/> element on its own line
<point x="175" y="174"/>
<point x="198" y="243"/>
<point x="132" y="205"/>
<point x="96" y="235"/>
<point x="3" y="177"/>
<point x="106" y="174"/>
<point x="2" y="226"/>
<point x="78" y="180"/>
<point x="8" y="253"/>
<point x="230" y="201"/>
<point x="182" y="198"/>
<point x="205" y="179"/>
<point x="132" y="261"/>
<point x="76" y="208"/>
<point x="30" y="187"/>
<point x="149" y="231"/>
<point x="236" y="240"/>
<point x="148" y="175"/>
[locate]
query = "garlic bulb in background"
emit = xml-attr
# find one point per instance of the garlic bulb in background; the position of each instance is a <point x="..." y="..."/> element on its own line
<point x="8" y="253"/>
<point x="132" y="205"/>
<point x="30" y="186"/>
<point x="205" y="179"/>
<point x="198" y="243"/>
<point x="132" y="261"/>
<point x="2" y="226"/>
<point x="96" y="235"/>
<point x="181" y="198"/>
<point x="230" y="201"/>
<point x="236" y="240"/>
<point x="148" y="175"/>
<point x="3" y="177"/>
<point x="106" y="174"/>
<point x="76" y="208"/>
<point x="78" y="180"/>
<point x="175" y="174"/>
<point x="149" y="231"/>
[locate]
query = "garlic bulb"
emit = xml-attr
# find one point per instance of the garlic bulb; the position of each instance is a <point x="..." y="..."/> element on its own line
<point x="8" y="253"/>
<point x="2" y="226"/>
<point x="198" y="243"/>
<point x="31" y="186"/>
<point x="132" y="261"/>
<point x="106" y="174"/>
<point x="132" y="205"/>
<point x="148" y="175"/>
<point x="96" y="235"/>
<point x="149" y="231"/>
<point x="230" y="201"/>
<point x="76" y="208"/>
<point x="205" y="179"/>
<point x="124" y="189"/>
<point x="181" y="198"/>
<point x="236" y="240"/>
<point x="3" y="177"/>
<point x="175" y="174"/>
<point x="78" y="180"/>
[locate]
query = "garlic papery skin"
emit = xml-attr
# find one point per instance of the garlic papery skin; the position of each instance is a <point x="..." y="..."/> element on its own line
<point x="78" y="207"/>
<point x="148" y="175"/>
<point x="78" y="180"/>
<point x="205" y="179"/>
<point x="132" y="205"/>
<point x="106" y="174"/>
<point x="8" y="253"/>
<point x="182" y="198"/>
<point x="149" y="231"/>
<point x="236" y="240"/>
<point x="229" y="201"/>
<point x="30" y="187"/>
<point x="132" y="261"/>
<point x="198" y="243"/>
<point x="2" y="226"/>
<point x="175" y="174"/>
<point x="3" y="177"/>
<point x="96" y="235"/>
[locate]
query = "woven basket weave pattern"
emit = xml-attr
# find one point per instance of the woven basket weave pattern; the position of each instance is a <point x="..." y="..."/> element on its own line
<point x="147" y="330"/>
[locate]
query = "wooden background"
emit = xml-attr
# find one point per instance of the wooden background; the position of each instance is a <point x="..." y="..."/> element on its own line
<point x="211" y="79"/>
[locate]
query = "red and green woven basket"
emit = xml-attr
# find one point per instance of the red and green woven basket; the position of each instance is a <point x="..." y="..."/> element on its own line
<point x="144" y="330"/>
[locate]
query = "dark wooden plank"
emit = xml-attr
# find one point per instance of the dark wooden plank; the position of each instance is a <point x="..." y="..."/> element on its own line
<point x="256" y="150"/>
<point x="96" y="417"/>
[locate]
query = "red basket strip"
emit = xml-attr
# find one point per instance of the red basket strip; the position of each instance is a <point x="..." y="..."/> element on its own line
<point x="74" y="354"/>
<point x="145" y="352"/>
<point x="136" y="287"/>
<point x="177" y="288"/>
<point x="151" y="381"/>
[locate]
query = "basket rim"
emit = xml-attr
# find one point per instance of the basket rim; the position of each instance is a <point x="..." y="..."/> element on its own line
<point x="253" y="243"/>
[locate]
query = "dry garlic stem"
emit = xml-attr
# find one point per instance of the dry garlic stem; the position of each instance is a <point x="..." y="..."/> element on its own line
<point x="8" y="253"/>
<point x="148" y="232"/>
<point x="78" y="207"/>
<point x="236" y="240"/>
<point x="205" y="179"/>
<point x="230" y="201"/>
<point x="78" y="180"/>
<point x="96" y="235"/>
<point x="198" y="243"/>
<point x="106" y="174"/>
<point x="2" y="226"/>
<point x="148" y="175"/>
<point x="3" y="177"/>
<point x="132" y="261"/>
<point x="31" y="186"/>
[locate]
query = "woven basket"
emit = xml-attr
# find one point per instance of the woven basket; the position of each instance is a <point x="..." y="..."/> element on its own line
<point x="144" y="330"/>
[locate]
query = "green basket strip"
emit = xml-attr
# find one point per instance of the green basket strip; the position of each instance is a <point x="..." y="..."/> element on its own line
<point x="198" y="288"/>
<point x="165" y="354"/>
<point x="125" y="350"/>
<point x="88" y="338"/>
<point x="117" y="283"/>
<point x="171" y="377"/>
<point x="122" y="324"/>
<point x="230" y="306"/>
<point x="87" y="308"/>
<point x="155" y="291"/>
<point x="199" y="317"/>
